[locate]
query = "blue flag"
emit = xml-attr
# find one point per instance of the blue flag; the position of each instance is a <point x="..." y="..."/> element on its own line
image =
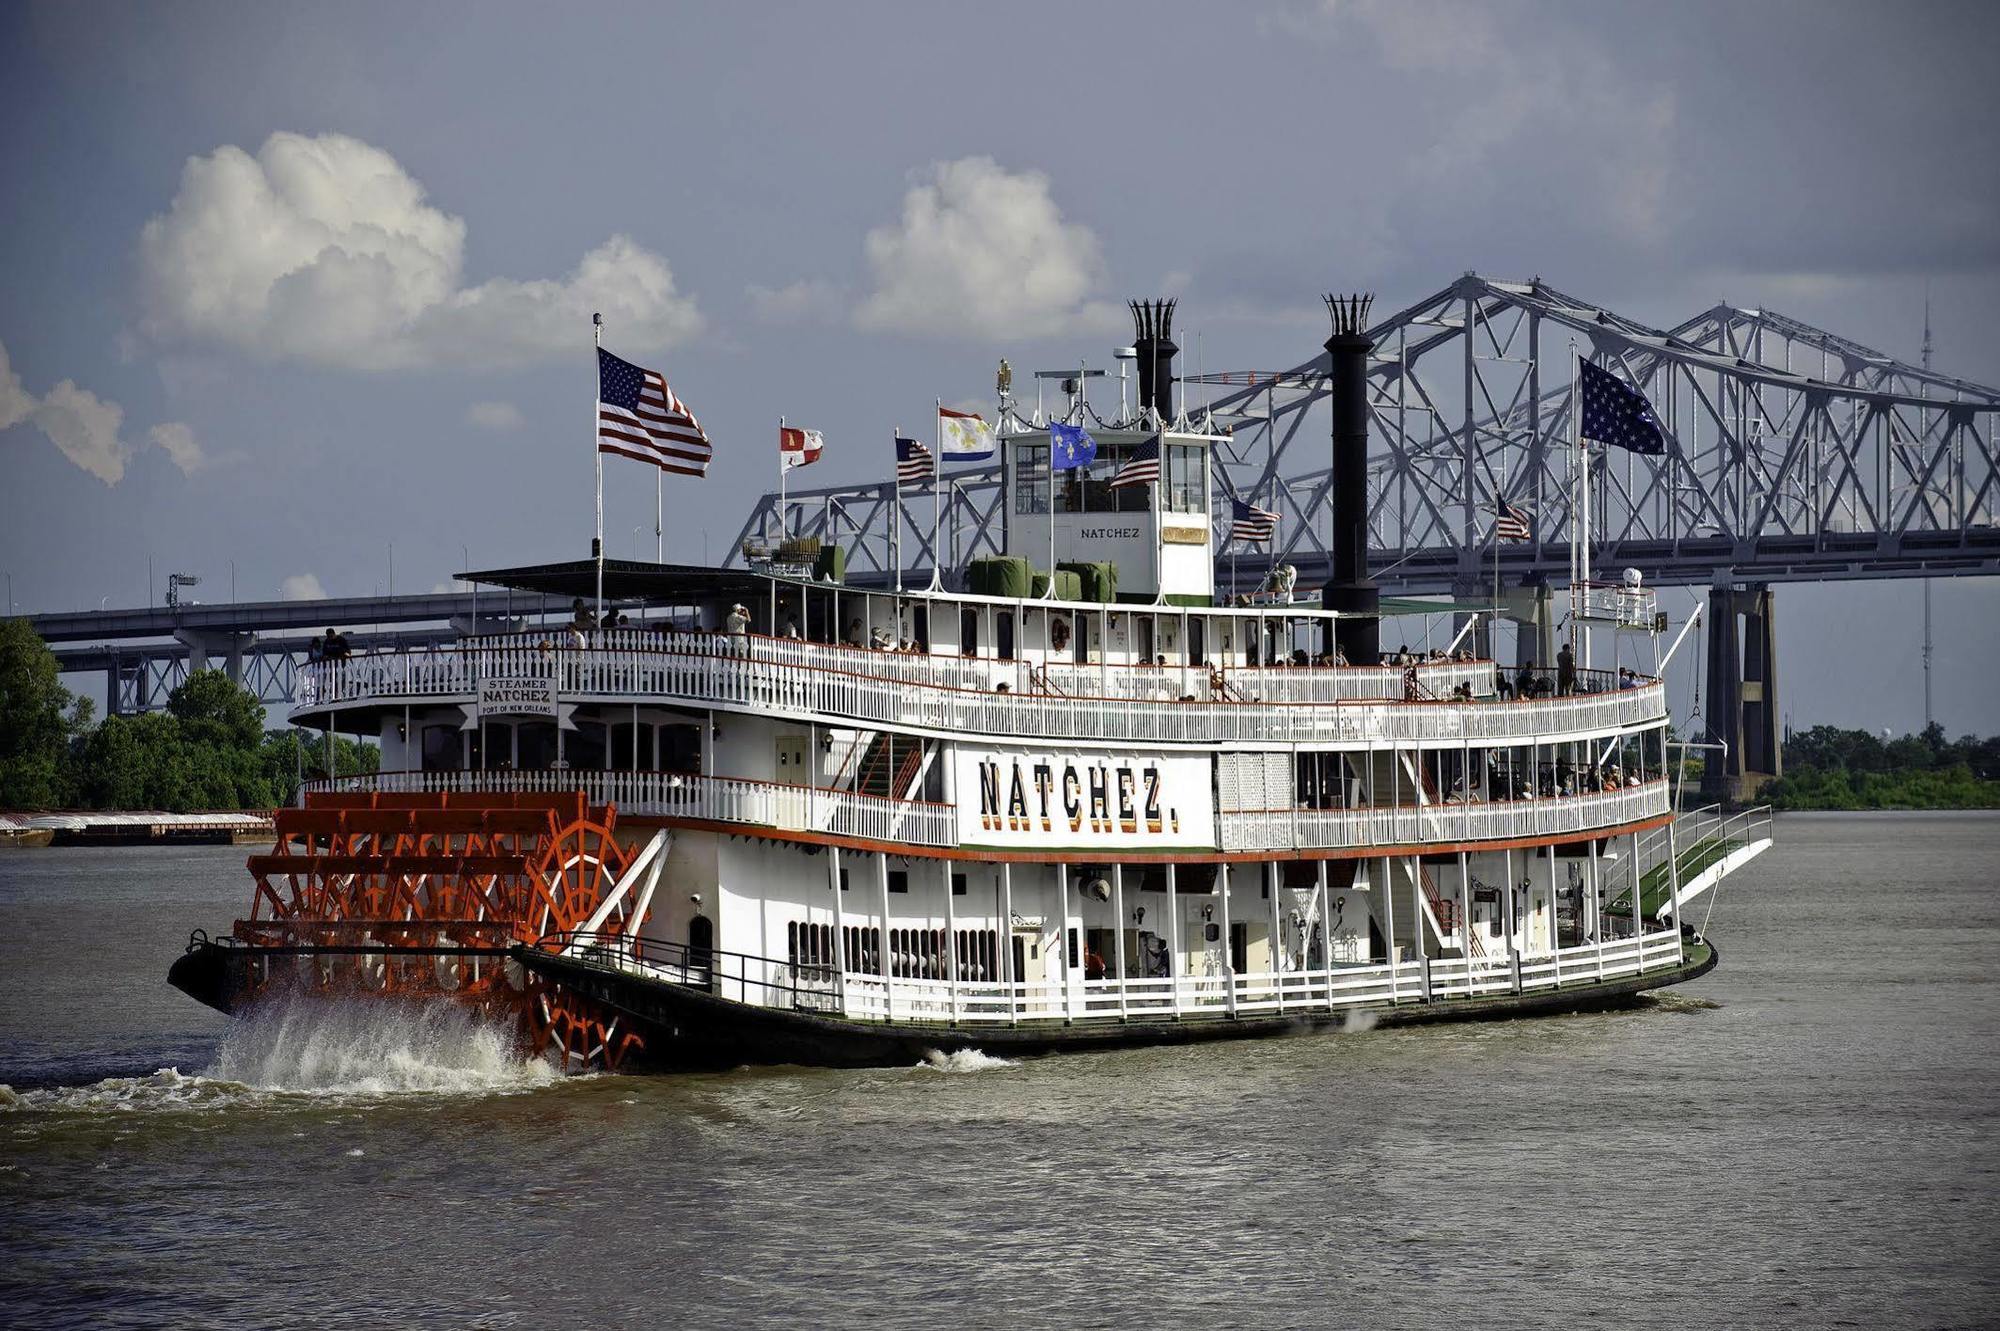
<point x="1616" y="414"/>
<point x="1070" y="446"/>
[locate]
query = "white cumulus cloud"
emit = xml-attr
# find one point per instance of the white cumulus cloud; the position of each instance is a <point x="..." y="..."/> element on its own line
<point x="16" y="402"/>
<point x="180" y="445"/>
<point x="324" y="249"/>
<point x="495" y="416"/>
<point x="85" y="427"/>
<point x="301" y="587"/>
<point x="983" y="252"/>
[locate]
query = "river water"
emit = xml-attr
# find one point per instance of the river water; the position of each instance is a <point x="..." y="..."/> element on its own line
<point x="1806" y="1136"/>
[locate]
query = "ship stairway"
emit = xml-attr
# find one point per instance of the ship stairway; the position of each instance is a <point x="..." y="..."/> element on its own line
<point x="1708" y="845"/>
<point x="1442" y="916"/>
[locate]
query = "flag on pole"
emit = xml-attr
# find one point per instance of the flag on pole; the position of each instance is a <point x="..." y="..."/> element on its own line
<point x="1251" y="523"/>
<point x="639" y="417"/>
<point x="963" y="436"/>
<point x="1142" y="468"/>
<point x="1617" y="414"/>
<point x="1070" y="446"/>
<point x="799" y="448"/>
<point x="1509" y="523"/>
<point x="915" y="467"/>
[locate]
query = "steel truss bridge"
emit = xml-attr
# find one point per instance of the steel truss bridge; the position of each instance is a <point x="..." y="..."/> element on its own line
<point x="1793" y="454"/>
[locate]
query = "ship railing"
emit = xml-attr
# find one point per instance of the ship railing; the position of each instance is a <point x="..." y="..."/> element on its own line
<point x="733" y="670"/>
<point x="1433" y="979"/>
<point x="733" y="975"/>
<point x="762" y="804"/>
<point x="610" y="660"/>
<point x="1470" y="820"/>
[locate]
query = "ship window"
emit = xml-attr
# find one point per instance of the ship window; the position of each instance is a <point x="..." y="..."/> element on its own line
<point x="843" y="880"/>
<point x="899" y="880"/>
<point x="864" y="949"/>
<point x="623" y="758"/>
<point x="1031" y="478"/>
<point x="442" y="748"/>
<point x="583" y="748"/>
<point x="536" y="746"/>
<point x="1186" y="478"/>
<point x="917" y="954"/>
<point x="809" y="944"/>
<point x="958" y="885"/>
<point x="968" y="632"/>
<point x="1003" y="632"/>
<point x="977" y="955"/>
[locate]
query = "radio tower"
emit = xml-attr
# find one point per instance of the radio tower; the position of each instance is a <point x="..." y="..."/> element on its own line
<point x="1927" y="581"/>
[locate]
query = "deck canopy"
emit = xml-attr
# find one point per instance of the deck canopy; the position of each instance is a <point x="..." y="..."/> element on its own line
<point x="624" y="580"/>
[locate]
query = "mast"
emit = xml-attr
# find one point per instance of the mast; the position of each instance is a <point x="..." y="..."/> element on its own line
<point x="597" y="542"/>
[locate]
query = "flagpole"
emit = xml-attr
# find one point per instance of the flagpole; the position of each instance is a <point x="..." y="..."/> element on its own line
<point x="896" y="510"/>
<point x="1579" y="503"/>
<point x="937" y="489"/>
<point x="782" y="469"/>
<point x="596" y="410"/>
<point x="659" y="508"/>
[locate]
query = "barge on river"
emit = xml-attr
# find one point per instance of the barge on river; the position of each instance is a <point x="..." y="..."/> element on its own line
<point x="769" y="815"/>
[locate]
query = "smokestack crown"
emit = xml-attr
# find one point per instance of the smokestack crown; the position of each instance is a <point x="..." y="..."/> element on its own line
<point x="1153" y="338"/>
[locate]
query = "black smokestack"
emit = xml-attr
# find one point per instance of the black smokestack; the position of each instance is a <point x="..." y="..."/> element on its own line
<point x="1153" y="338"/>
<point x="1349" y="591"/>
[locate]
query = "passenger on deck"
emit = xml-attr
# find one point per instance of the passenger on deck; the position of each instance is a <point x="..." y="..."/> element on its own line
<point x="1500" y="684"/>
<point x="1565" y="671"/>
<point x="792" y="627"/>
<point x="580" y="616"/>
<point x="737" y="626"/>
<point x="856" y="636"/>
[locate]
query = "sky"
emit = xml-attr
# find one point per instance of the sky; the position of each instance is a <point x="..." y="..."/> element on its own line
<point x="284" y="287"/>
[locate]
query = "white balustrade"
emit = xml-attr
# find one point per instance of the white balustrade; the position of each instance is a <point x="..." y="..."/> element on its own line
<point x="1332" y="829"/>
<point x="845" y="685"/>
<point x="764" y="804"/>
<point x="870" y="997"/>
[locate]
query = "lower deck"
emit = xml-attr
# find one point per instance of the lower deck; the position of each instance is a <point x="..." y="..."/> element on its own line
<point x="692" y="1007"/>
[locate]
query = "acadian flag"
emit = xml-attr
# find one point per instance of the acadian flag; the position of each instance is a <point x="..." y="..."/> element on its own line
<point x="963" y="436"/>
<point x="799" y="448"/>
<point x="1070" y="446"/>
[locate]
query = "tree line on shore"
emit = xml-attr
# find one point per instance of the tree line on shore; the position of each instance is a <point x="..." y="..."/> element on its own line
<point x="1827" y="767"/>
<point x="208" y="750"/>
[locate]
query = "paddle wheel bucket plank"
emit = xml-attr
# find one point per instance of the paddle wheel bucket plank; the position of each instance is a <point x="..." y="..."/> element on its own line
<point x="422" y="895"/>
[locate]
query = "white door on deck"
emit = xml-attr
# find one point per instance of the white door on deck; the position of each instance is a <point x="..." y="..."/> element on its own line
<point x="793" y="779"/>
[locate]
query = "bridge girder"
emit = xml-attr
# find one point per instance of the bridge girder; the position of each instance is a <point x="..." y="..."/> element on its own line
<point x="1793" y="454"/>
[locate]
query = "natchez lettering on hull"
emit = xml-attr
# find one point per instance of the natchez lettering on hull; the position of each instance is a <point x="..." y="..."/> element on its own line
<point x="1036" y="797"/>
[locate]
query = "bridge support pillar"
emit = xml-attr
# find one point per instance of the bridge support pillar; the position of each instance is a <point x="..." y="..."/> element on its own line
<point x="1531" y="609"/>
<point x="1742" y="692"/>
<point x="204" y="647"/>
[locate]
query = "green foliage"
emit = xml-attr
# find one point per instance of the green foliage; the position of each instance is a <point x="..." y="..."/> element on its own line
<point x="36" y="714"/>
<point x="208" y="750"/>
<point x="1830" y="768"/>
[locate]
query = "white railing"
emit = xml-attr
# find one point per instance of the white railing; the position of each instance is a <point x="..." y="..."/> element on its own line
<point x="1312" y="829"/>
<point x="952" y="693"/>
<point x="1442" y="979"/>
<point x="762" y="804"/>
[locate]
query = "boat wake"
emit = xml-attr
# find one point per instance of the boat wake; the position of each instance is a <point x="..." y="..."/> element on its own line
<point x="964" y="1060"/>
<point x="309" y="1052"/>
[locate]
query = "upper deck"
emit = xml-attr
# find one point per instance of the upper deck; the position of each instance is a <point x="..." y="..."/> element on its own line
<point x="1431" y="702"/>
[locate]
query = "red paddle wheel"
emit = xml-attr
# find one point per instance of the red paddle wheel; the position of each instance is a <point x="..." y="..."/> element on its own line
<point x="423" y="894"/>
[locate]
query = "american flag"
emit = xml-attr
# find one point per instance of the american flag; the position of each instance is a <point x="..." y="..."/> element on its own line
<point x="1142" y="468"/>
<point x="639" y="417"/>
<point x="1251" y="523"/>
<point x="1509" y="523"/>
<point x="914" y="467"/>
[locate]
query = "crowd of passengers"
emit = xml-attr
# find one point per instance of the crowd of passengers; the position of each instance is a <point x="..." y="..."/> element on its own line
<point x="1527" y="681"/>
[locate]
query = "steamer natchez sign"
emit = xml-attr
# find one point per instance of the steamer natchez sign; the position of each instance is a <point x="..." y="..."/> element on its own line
<point x="1026" y="797"/>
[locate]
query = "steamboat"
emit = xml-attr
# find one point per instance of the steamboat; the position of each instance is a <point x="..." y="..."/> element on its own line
<point x="710" y="816"/>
